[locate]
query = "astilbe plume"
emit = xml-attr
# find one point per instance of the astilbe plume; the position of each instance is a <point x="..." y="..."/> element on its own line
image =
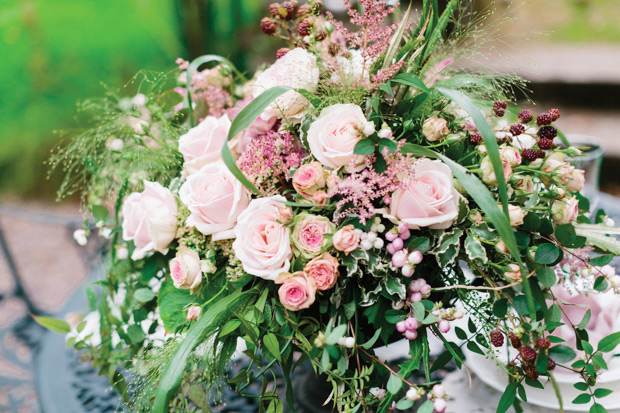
<point x="360" y="190"/>
<point x="267" y="159"/>
<point x="207" y="87"/>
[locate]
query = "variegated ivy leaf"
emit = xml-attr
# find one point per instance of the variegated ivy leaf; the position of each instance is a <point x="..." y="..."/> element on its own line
<point x="448" y="257"/>
<point x="394" y="286"/>
<point x="448" y="239"/>
<point x="463" y="211"/>
<point x="484" y="231"/>
<point x="368" y="298"/>
<point x="475" y="250"/>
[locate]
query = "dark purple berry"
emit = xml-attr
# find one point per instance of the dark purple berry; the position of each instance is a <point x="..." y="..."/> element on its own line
<point x="531" y="372"/>
<point x="545" y="143"/>
<point x="320" y="35"/>
<point x="526" y="116"/>
<point x="554" y="113"/>
<point x="282" y="51"/>
<point x="529" y="154"/>
<point x="528" y="354"/>
<point x="475" y="138"/>
<point x="544" y="119"/>
<point x="541" y="154"/>
<point x="497" y="338"/>
<point x="550" y="364"/>
<point x="543" y="343"/>
<point x="499" y="108"/>
<point x="517" y="129"/>
<point x="333" y="48"/>
<point x="548" y="132"/>
<point x="268" y="26"/>
<point x="515" y="341"/>
<point x="304" y="27"/>
<point x="304" y="10"/>
<point x="274" y="10"/>
<point x="289" y="7"/>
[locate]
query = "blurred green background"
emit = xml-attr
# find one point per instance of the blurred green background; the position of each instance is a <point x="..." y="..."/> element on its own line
<point x="55" y="53"/>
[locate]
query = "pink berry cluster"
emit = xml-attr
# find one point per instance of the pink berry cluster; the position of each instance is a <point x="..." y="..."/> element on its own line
<point x="408" y="327"/>
<point x="401" y="257"/>
<point x="446" y="315"/>
<point x="419" y="290"/>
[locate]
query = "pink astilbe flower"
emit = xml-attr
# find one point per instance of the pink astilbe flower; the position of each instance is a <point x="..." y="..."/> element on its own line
<point x="386" y="74"/>
<point x="360" y="190"/>
<point x="267" y="159"/>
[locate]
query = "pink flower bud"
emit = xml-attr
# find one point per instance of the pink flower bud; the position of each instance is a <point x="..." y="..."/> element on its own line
<point x="439" y="391"/>
<point x="193" y="313"/>
<point x="443" y="326"/>
<point x="411" y="334"/>
<point x="390" y="249"/>
<point x="416" y="297"/>
<point x="425" y="290"/>
<point x="405" y="235"/>
<point x="407" y="270"/>
<point x="398" y="259"/>
<point x="440" y="405"/>
<point x="411" y="323"/>
<point x="415" y="257"/>
<point x="391" y="236"/>
<point x="416" y="285"/>
<point x="402" y="227"/>
<point x="398" y="244"/>
<point x="400" y="327"/>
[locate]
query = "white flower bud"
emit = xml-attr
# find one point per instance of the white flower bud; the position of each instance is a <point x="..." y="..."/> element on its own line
<point x="378" y="243"/>
<point x="80" y="237"/>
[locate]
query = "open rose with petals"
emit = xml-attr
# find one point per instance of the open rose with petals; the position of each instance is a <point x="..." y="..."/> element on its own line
<point x="185" y="269"/>
<point x="428" y="197"/>
<point x="308" y="179"/>
<point x="263" y="241"/>
<point x="333" y="135"/>
<point x="215" y="198"/>
<point x="297" y="291"/>
<point x="309" y="232"/>
<point x="435" y="129"/>
<point x="150" y="219"/>
<point x="346" y="239"/>
<point x="565" y="210"/>
<point x="324" y="270"/>
<point x="203" y="143"/>
<point x="488" y="172"/>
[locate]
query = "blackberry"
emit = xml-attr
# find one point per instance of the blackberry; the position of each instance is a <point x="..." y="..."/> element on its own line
<point x="289" y="7"/>
<point x="555" y="114"/>
<point x="282" y="51"/>
<point x="545" y="143"/>
<point x="543" y="343"/>
<point x="304" y="10"/>
<point x="515" y="341"/>
<point x="333" y="49"/>
<point x="268" y="26"/>
<point x="531" y="372"/>
<point x="320" y="35"/>
<point x="548" y="132"/>
<point x="526" y="116"/>
<point x="475" y="138"/>
<point x="497" y="338"/>
<point x="304" y="27"/>
<point x="528" y="354"/>
<point x="541" y="154"/>
<point x="517" y="129"/>
<point x="550" y="365"/>
<point x="499" y="108"/>
<point x="544" y="119"/>
<point x="274" y="10"/>
<point x="529" y="155"/>
<point x="499" y="112"/>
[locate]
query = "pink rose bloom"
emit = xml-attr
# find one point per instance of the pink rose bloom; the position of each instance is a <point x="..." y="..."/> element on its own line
<point x="435" y="129"/>
<point x="308" y="179"/>
<point x="203" y="143"/>
<point x="185" y="269"/>
<point x="516" y="215"/>
<point x="511" y="155"/>
<point x="309" y="234"/>
<point x="429" y="198"/>
<point x="297" y="291"/>
<point x="565" y="210"/>
<point x="263" y="241"/>
<point x="324" y="270"/>
<point x="514" y="274"/>
<point x="150" y="219"/>
<point x="215" y="198"/>
<point x="320" y="197"/>
<point x="346" y="239"/>
<point x="575" y="180"/>
<point x="298" y="70"/>
<point x="333" y="135"/>
<point x="193" y="313"/>
<point x="488" y="173"/>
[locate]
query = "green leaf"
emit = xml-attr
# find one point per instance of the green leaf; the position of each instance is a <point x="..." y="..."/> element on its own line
<point x="566" y="234"/>
<point x="172" y="303"/>
<point x="244" y="119"/>
<point x="534" y="383"/>
<point x="600" y="283"/>
<point x="600" y="393"/>
<point x="585" y="320"/>
<point x="587" y="347"/>
<point x="473" y="347"/>
<point x="500" y="308"/>
<point x="312" y="98"/>
<point x="53" y="324"/>
<point x="271" y="342"/>
<point x="547" y="254"/>
<point x="475" y="250"/>
<point x="410" y="80"/>
<point x="364" y="147"/>
<point x="427" y="407"/>
<point x="173" y="372"/>
<point x="144" y="295"/>
<point x="546" y="276"/>
<point x="601" y="260"/>
<point x="404" y="404"/>
<point x="609" y="343"/>
<point x="229" y="327"/>
<point x="336" y="334"/>
<point x="395" y="41"/>
<point x="562" y="353"/>
<point x="394" y="384"/>
<point x="368" y="345"/>
<point x="136" y="334"/>
<point x="418" y="311"/>
<point x="542" y="363"/>
<point x="580" y="386"/>
<point x="583" y="398"/>
<point x="508" y="398"/>
<point x="597" y="408"/>
<point x="100" y="213"/>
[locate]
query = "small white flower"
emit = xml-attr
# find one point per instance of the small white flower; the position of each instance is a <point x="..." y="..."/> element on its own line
<point x="80" y="237"/>
<point x="349" y="342"/>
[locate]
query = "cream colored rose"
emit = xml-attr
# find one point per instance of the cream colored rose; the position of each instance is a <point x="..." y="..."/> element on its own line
<point x="488" y="173"/>
<point x="435" y="129"/>
<point x="185" y="269"/>
<point x="516" y="215"/>
<point x="565" y="210"/>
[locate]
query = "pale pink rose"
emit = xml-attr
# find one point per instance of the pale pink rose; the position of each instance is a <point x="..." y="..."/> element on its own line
<point x="324" y="270"/>
<point x="297" y="291"/>
<point x="333" y="181"/>
<point x="516" y="215"/>
<point x="428" y="198"/>
<point x="514" y="274"/>
<point x="263" y="240"/>
<point x="565" y="210"/>
<point x="215" y="198"/>
<point x="308" y="179"/>
<point x="203" y="143"/>
<point x="576" y="180"/>
<point x="346" y="239"/>
<point x="309" y="232"/>
<point x="524" y="185"/>
<point x="501" y="247"/>
<point x="259" y="127"/>
<point x="511" y="155"/>
<point x="333" y="135"/>
<point x="185" y="269"/>
<point x="193" y="313"/>
<point x="150" y="219"/>
<point x="298" y="70"/>
<point x="319" y="197"/>
<point x="435" y="129"/>
<point x="488" y="173"/>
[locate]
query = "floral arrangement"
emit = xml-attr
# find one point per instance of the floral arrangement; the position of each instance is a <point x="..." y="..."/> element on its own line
<point x="358" y="191"/>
